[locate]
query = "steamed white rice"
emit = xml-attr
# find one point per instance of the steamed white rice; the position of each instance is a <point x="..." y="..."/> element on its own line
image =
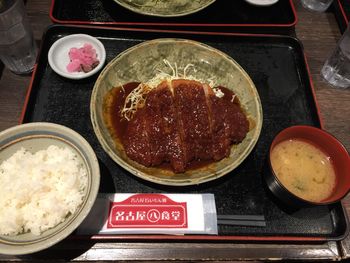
<point x="38" y="191"/>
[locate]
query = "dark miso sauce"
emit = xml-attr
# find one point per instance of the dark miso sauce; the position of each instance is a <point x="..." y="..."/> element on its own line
<point x="117" y="124"/>
<point x="112" y="106"/>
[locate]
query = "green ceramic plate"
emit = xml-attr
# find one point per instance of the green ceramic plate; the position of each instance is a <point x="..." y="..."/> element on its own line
<point x="139" y="63"/>
<point x="165" y="8"/>
<point x="34" y="137"/>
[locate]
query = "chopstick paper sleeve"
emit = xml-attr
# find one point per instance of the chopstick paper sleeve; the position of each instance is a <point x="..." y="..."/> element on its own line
<point x="175" y="214"/>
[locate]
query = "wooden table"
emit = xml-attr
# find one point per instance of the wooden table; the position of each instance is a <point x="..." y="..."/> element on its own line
<point x="319" y="34"/>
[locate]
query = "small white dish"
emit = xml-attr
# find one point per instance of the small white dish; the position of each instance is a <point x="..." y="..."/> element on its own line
<point x="59" y="54"/>
<point x="262" y="2"/>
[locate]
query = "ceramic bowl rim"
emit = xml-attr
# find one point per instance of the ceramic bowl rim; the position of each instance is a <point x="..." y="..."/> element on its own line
<point x="261" y="4"/>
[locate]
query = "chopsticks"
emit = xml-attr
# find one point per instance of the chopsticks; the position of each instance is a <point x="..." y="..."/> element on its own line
<point x="241" y="220"/>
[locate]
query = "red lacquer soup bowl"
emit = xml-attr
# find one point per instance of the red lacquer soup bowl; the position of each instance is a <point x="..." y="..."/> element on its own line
<point x="335" y="152"/>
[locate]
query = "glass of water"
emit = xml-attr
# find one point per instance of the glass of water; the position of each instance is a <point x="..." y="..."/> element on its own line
<point x="336" y="69"/>
<point x="17" y="46"/>
<point x="316" y="5"/>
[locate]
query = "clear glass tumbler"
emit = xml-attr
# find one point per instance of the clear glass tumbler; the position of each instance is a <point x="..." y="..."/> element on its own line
<point x="336" y="69"/>
<point x="18" y="50"/>
<point x="316" y="5"/>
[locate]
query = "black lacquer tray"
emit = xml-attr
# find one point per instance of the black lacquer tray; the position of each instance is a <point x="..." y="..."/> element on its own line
<point x="223" y="15"/>
<point x="278" y="68"/>
<point x="342" y="13"/>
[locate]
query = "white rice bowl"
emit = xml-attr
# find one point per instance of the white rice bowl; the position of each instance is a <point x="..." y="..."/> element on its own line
<point x="46" y="191"/>
<point x="38" y="190"/>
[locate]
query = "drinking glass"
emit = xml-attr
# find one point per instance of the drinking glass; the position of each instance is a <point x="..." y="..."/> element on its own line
<point x="336" y="69"/>
<point x="316" y="5"/>
<point x="17" y="46"/>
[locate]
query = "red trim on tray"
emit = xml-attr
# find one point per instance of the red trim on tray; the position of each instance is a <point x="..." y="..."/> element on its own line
<point x="294" y="13"/>
<point x="319" y="115"/>
<point x="343" y="12"/>
<point x="51" y="12"/>
<point x="199" y="238"/>
<point x="29" y="90"/>
<point x="55" y="20"/>
<point x="150" y="30"/>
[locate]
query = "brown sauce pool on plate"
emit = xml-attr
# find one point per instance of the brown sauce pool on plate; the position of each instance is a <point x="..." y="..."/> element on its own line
<point x="113" y="103"/>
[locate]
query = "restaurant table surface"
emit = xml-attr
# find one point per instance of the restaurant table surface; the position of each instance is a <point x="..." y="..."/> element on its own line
<point x="318" y="33"/>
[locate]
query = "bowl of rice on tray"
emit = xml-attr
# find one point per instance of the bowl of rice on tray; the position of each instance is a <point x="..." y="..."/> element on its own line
<point x="49" y="180"/>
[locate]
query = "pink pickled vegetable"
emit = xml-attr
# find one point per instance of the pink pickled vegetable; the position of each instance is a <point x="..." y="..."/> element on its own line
<point x="82" y="59"/>
<point x="74" y="66"/>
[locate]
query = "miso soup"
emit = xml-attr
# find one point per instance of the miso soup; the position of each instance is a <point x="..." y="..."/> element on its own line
<point x="303" y="169"/>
